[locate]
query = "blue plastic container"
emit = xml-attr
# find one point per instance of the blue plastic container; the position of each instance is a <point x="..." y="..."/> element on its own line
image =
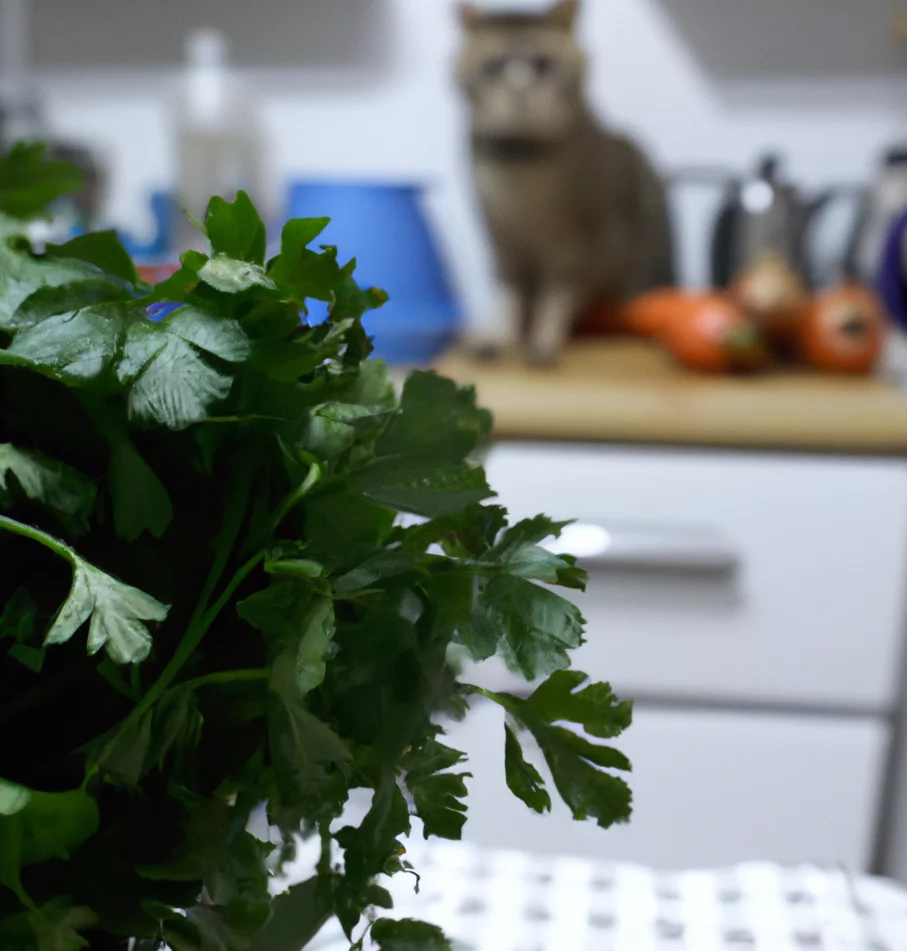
<point x="383" y="227"/>
<point x="164" y="210"/>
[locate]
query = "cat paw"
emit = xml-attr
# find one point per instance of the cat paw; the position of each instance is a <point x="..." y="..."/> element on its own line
<point x="542" y="359"/>
<point x="488" y="352"/>
<point x="489" y="349"/>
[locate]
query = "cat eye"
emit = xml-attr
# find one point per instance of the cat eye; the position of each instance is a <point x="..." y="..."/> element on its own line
<point x="543" y="65"/>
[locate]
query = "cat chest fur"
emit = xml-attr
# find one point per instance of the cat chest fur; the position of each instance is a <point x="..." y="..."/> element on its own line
<point x="525" y="204"/>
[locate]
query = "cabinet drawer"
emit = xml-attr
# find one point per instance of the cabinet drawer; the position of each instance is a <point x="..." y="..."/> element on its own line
<point x="710" y="788"/>
<point x="812" y="612"/>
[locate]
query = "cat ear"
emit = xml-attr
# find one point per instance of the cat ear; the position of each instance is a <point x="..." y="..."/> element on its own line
<point x="564" y="13"/>
<point x="471" y="16"/>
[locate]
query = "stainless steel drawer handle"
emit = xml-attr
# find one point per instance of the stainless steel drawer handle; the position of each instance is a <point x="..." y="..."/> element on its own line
<point x="647" y="547"/>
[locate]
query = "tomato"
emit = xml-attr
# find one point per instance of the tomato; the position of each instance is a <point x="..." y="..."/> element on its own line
<point x="844" y="330"/>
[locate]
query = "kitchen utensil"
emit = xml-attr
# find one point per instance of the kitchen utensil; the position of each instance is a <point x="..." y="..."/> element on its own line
<point x="396" y="250"/>
<point x="884" y="202"/>
<point x="764" y="213"/>
<point x="890" y="279"/>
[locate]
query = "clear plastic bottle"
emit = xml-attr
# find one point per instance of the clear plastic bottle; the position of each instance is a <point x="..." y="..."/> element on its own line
<point x="219" y="144"/>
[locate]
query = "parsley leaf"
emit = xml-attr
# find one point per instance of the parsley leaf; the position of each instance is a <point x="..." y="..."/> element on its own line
<point x="116" y="610"/>
<point x="577" y="765"/>
<point x="29" y="181"/>
<point x="533" y="628"/>
<point x="235" y="229"/>
<point x="38" y="826"/>
<point x="45" y="480"/>
<point x="408" y="934"/>
<point x="437" y="795"/>
<point x="103" y="249"/>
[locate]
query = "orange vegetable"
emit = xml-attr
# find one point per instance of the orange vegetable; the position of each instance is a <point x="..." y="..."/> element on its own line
<point x="651" y="314"/>
<point x="715" y="336"/>
<point x="774" y="297"/>
<point x="844" y="330"/>
<point x="646" y="315"/>
<point x="155" y="273"/>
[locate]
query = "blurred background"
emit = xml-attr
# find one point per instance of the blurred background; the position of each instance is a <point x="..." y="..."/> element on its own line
<point x="746" y="536"/>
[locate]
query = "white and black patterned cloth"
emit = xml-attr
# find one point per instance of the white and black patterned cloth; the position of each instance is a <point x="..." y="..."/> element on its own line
<point x="510" y="901"/>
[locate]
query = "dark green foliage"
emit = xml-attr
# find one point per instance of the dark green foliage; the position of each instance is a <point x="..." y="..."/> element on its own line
<point x="208" y="603"/>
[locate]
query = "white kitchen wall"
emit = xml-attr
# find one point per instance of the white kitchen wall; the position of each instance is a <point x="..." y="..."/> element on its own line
<point x="397" y="116"/>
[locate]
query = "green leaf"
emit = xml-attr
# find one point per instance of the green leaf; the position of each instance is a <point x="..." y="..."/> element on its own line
<point x="372" y="849"/>
<point x="595" y="708"/>
<point x="468" y="534"/>
<point x="49" y="300"/>
<point x="523" y="778"/>
<point x="103" y="249"/>
<point x="408" y="935"/>
<point x="519" y="554"/>
<point x="343" y="529"/>
<point x="304" y="273"/>
<point x="236" y="229"/>
<point x="29" y="182"/>
<point x="438" y="803"/>
<point x="167" y="366"/>
<point x="45" y="480"/>
<point x="437" y="795"/>
<point x="232" y="276"/>
<point x="21" y="274"/>
<point x="420" y="465"/>
<point x="310" y="761"/>
<point x="352" y="301"/>
<point x="78" y="348"/>
<point x="297" y="916"/>
<point x="438" y="422"/>
<point x="299" y="625"/>
<point x="116" y="611"/>
<point x="57" y="925"/>
<point x="181" y="285"/>
<point x="577" y="765"/>
<point x="37" y="826"/>
<point x="140" y="502"/>
<point x="336" y="427"/>
<point x="532" y="627"/>
<point x="378" y="568"/>
<point x="423" y="490"/>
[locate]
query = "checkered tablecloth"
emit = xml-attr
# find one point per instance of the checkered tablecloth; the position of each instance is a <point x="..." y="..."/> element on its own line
<point x="510" y="901"/>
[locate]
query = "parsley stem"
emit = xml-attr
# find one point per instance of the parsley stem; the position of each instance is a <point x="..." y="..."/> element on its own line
<point x="324" y="860"/>
<point x="194" y="635"/>
<point x="211" y="616"/>
<point x="226" y="677"/>
<point x="35" y="535"/>
<point x="204" y="616"/>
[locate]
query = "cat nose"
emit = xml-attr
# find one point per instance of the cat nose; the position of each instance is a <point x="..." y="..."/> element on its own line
<point x="519" y="75"/>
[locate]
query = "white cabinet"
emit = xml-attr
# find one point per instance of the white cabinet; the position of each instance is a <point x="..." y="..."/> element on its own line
<point x="753" y="605"/>
<point x="813" y="614"/>
<point x="710" y="789"/>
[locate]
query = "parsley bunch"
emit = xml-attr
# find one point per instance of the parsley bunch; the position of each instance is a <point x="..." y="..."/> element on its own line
<point x="209" y="601"/>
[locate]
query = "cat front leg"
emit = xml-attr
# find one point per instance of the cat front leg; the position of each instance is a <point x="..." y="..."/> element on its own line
<point x="503" y="338"/>
<point x="554" y="313"/>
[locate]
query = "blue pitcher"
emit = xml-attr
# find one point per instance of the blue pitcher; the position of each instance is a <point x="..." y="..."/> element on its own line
<point x="383" y="226"/>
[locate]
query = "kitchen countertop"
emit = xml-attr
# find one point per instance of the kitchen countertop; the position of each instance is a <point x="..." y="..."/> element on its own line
<point x="619" y="390"/>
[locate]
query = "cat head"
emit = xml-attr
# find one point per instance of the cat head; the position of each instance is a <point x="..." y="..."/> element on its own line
<point x="522" y="72"/>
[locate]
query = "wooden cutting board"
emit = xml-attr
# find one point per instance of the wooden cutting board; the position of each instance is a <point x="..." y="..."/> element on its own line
<point x="630" y="391"/>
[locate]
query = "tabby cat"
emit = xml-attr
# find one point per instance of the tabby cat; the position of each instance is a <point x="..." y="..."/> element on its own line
<point x="576" y="214"/>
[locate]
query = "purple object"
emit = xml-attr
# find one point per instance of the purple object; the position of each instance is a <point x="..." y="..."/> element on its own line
<point x="891" y="283"/>
<point x="157" y="312"/>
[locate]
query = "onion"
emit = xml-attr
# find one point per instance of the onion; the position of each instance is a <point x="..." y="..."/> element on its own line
<point x="773" y="296"/>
